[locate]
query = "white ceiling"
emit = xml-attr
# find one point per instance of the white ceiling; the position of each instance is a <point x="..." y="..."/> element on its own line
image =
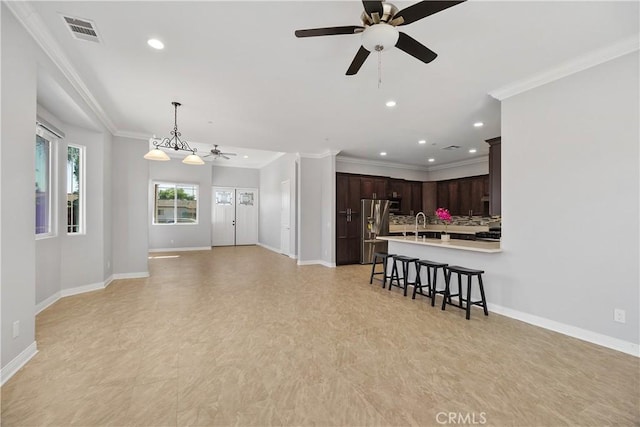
<point x="246" y="82"/>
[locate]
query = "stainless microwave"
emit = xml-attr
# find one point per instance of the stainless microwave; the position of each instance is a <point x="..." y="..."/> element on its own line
<point x="394" y="204"/>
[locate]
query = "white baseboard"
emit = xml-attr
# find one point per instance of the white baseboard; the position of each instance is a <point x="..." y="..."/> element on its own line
<point x="317" y="261"/>
<point x="140" y="275"/>
<point x="276" y="250"/>
<point x="203" y="248"/>
<point x="46" y="303"/>
<point x="18" y="362"/>
<point x="82" y="289"/>
<point x="572" y="331"/>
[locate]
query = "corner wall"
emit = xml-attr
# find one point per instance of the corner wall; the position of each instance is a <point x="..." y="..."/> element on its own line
<point x="130" y="190"/>
<point x="570" y="155"/>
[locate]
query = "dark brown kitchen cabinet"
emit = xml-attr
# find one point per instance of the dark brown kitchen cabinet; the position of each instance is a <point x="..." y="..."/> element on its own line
<point x="347" y="218"/>
<point x="495" y="167"/>
<point x="464" y="196"/>
<point x="395" y="188"/>
<point x="416" y="197"/>
<point x="373" y="188"/>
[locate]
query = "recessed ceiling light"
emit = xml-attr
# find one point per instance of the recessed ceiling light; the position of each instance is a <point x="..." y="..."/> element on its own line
<point x="432" y="160"/>
<point x="245" y="157"/>
<point x="391" y="103"/>
<point x="473" y="150"/>
<point x="383" y="153"/>
<point x="155" y="43"/>
<point x="478" y="124"/>
<point x="422" y="141"/>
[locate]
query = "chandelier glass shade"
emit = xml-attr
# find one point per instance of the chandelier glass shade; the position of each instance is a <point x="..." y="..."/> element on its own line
<point x="173" y="143"/>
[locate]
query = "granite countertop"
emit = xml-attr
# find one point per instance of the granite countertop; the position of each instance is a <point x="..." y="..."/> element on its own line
<point x="465" y="245"/>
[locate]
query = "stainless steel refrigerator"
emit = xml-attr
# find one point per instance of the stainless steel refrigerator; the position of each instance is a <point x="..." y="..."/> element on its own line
<point x="375" y="222"/>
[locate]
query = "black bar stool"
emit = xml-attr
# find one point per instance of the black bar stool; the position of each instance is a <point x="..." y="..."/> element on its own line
<point x="402" y="282"/>
<point x="469" y="273"/>
<point x="431" y="285"/>
<point x="383" y="257"/>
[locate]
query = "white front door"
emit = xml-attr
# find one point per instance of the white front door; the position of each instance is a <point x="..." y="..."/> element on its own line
<point x="223" y="217"/>
<point x="246" y="216"/>
<point x="285" y="218"/>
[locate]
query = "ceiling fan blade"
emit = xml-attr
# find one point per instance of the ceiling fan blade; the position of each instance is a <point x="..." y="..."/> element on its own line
<point x="423" y="9"/>
<point x="330" y="31"/>
<point x="208" y="155"/>
<point x="229" y="154"/>
<point x="228" y="158"/>
<point x="415" y="48"/>
<point x="358" y="60"/>
<point x="372" y="7"/>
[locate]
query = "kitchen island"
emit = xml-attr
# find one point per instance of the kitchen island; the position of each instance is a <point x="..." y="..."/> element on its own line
<point x="481" y="255"/>
<point x="465" y="245"/>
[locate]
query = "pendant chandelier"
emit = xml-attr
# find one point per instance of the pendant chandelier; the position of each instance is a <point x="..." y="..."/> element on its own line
<point x="173" y="143"/>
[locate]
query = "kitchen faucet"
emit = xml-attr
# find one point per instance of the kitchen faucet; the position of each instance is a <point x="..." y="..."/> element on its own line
<point x="424" y="221"/>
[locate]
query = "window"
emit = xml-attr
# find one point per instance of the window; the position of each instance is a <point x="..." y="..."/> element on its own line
<point x="75" y="189"/>
<point x="175" y="204"/>
<point x="44" y="196"/>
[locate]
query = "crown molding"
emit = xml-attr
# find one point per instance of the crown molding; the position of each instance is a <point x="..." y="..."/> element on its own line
<point x="578" y="64"/>
<point x="31" y="21"/>
<point x="318" y="155"/>
<point x="132" y="135"/>
<point x="354" y="160"/>
<point x="468" y="162"/>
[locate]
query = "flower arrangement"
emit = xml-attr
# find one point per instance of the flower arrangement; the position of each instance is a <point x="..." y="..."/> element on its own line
<point x="444" y="216"/>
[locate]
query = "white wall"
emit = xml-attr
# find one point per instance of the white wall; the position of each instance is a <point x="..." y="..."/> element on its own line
<point x="130" y="207"/>
<point x="69" y="261"/>
<point x="365" y="167"/>
<point x="570" y="199"/>
<point x="316" y="215"/>
<point x="22" y="61"/>
<point x="225" y="176"/>
<point x="270" y="178"/>
<point x="83" y="257"/>
<point x="328" y="197"/>
<point x="181" y="236"/>
<point x="18" y="89"/>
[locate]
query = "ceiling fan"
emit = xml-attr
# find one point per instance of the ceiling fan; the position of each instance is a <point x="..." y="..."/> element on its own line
<point x="217" y="153"/>
<point x="379" y="32"/>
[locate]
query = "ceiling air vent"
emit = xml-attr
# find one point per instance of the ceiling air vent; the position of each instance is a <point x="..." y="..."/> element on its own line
<point x="451" y="147"/>
<point x="82" y="29"/>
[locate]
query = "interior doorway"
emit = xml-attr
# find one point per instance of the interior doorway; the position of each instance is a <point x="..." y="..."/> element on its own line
<point x="234" y="216"/>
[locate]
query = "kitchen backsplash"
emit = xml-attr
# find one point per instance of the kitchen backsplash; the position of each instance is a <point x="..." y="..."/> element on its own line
<point x="491" y="221"/>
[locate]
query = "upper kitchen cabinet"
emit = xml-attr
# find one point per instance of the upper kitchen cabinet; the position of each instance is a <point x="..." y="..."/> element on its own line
<point x="373" y="188"/>
<point x="495" y="166"/>
<point x="464" y="196"/>
<point x="416" y="197"/>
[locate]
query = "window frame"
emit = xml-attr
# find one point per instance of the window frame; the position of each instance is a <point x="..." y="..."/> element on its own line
<point x="82" y="205"/>
<point x="52" y="214"/>
<point x="175" y="185"/>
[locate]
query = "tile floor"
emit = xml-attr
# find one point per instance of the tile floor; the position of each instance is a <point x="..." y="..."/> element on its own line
<point x="244" y="336"/>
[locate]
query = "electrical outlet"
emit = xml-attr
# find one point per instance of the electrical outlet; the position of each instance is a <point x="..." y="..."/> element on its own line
<point x="16" y="329"/>
<point x="619" y="315"/>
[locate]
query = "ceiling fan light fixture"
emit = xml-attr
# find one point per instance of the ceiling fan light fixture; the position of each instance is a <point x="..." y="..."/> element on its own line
<point x="379" y="37"/>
